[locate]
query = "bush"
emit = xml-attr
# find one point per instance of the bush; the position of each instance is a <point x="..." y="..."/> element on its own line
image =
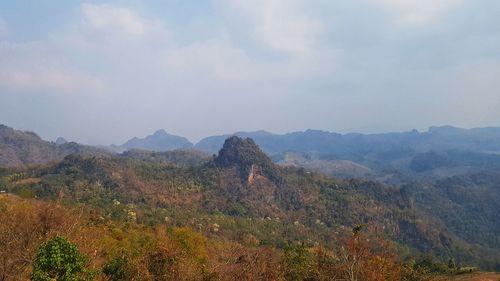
<point x="297" y="262"/>
<point x="58" y="259"/>
<point x="117" y="270"/>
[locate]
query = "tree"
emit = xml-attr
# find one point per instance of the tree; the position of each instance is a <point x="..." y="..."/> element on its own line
<point x="58" y="259"/>
<point x="117" y="269"/>
<point x="451" y="264"/>
<point x="354" y="256"/>
<point x="297" y="263"/>
<point x="365" y="257"/>
<point x="23" y="226"/>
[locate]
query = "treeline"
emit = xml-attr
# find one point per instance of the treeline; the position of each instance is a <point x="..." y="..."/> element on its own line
<point x="46" y="241"/>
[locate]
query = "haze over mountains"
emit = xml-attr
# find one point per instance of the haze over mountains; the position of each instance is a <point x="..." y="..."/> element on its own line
<point x="18" y="148"/>
<point x="250" y="140"/>
<point x="436" y="138"/>
<point x="159" y="141"/>
<point x="438" y="153"/>
<point x="453" y="216"/>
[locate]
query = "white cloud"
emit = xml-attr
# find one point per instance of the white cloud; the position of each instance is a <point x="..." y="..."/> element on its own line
<point x="150" y="58"/>
<point x="345" y="61"/>
<point x="104" y="24"/>
<point x="115" y="20"/>
<point x="214" y="59"/>
<point x="54" y="81"/>
<point x="31" y="66"/>
<point x="280" y="24"/>
<point x="417" y="12"/>
<point x="54" y="64"/>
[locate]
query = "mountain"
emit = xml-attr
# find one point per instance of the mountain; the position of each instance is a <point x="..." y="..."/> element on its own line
<point x="18" y="148"/>
<point x="246" y="156"/>
<point x="241" y="182"/>
<point x="214" y="143"/>
<point x="394" y="158"/>
<point x="61" y="140"/>
<point x="466" y="205"/>
<point x="159" y="141"/>
<point x="355" y="144"/>
<point x="415" y="153"/>
<point x="241" y="197"/>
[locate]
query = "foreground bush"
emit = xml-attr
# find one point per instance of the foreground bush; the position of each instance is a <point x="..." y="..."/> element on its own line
<point x="58" y="259"/>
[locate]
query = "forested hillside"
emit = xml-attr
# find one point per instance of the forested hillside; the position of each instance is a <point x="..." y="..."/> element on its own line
<point x="18" y="148"/>
<point x="185" y="212"/>
<point x="438" y="153"/>
<point x="241" y="200"/>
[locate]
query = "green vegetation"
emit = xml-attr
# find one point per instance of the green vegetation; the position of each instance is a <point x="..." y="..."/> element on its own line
<point x="18" y="148"/>
<point x="245" y="154"/>
<point x="237" y="216"/>
<point x="60" y="260"/>
<point x="297" y="261"/>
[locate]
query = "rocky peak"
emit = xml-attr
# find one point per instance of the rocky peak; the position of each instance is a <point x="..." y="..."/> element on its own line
<point x="247" y="157"/>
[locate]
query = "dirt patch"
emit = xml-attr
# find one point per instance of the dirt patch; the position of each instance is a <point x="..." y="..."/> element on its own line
<point x="29" y="181"/>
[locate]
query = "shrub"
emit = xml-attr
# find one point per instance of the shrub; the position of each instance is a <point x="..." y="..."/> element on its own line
<point x="61" y="260"/>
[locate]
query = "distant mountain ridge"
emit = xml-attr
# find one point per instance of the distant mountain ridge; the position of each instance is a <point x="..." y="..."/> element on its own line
<point x="438" y="138"/>
<point x="159" y="141"/>
<point x="19" y="148"/>
<point x="437" y="153"/>
<point x="331" y="144"/>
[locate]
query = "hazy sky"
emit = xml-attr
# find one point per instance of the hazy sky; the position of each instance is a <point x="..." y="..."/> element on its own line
<point x="102" y="72"/>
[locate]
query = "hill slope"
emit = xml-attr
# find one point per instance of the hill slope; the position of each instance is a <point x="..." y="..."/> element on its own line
<point x="18" y="148"/>
<point x="247" y="195"/>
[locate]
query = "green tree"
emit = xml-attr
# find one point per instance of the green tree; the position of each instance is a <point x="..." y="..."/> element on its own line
<point x="451" y="264"/>
<point x="297" y="263"/>
<point x="58" y="259"/>
<point x="117" y="269"/>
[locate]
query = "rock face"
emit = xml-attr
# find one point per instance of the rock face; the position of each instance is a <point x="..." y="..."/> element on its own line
<point x="255" y="174"/>
<point x="250" y="177"/>
<point x="159" y="141"/>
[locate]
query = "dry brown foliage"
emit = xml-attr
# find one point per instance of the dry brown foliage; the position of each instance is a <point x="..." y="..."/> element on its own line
<point x="24" y="226"/>
<point x="232" y="261"/>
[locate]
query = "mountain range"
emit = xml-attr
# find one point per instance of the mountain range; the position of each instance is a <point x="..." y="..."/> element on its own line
<point x="242" y="193"/>
<point x="486" y="140"/>
<point x="437" y="153"/>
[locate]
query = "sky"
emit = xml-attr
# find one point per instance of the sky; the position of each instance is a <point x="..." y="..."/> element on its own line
<point x="101" y="72"/>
